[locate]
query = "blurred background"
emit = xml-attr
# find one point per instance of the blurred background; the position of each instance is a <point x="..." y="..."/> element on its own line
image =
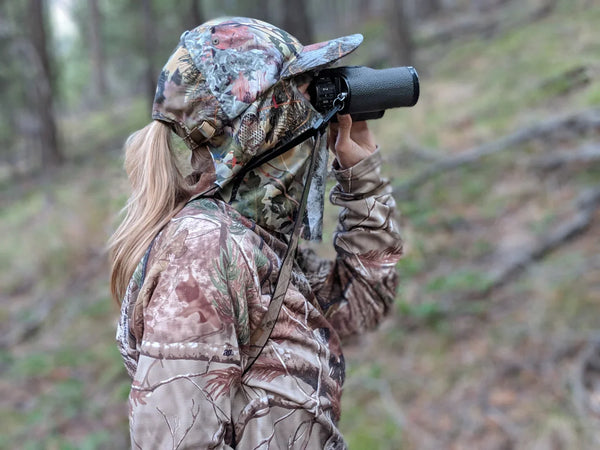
<point x="494" y="339"/>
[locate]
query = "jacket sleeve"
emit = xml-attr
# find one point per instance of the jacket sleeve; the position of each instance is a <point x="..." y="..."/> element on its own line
<point x="356" y="290"/>
<point x="189" y="363"/>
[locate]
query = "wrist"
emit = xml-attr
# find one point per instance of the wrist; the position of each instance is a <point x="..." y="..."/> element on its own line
<point x="358" y="177"/>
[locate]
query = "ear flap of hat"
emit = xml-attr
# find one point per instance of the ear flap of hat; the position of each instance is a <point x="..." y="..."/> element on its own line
<point x="184" y="101"/>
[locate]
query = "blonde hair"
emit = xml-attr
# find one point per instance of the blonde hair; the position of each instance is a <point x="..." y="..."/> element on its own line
<point x="159" y="191"/>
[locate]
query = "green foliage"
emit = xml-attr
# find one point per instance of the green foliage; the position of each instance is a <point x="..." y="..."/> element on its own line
<point x="421" y="213"/>
<point x="104" y="130"/>
<point x="376" y="433"/>
<point x="36" y="364"/>
<point x="588" y="177"/>
<point x="411" y="265"/>
<point x="68" y="383"/>
<point x="62" y="226"/>
<point x="428" y="313"/>
<point x="459" y="280"/>
<point x="521" y="69"/>
<point x="366" y="424"/>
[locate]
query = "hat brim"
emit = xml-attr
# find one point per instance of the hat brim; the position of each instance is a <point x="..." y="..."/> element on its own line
<point x="320" y="55"/>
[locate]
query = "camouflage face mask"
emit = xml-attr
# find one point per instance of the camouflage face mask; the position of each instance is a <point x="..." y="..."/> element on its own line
<point x="270" y="194"/>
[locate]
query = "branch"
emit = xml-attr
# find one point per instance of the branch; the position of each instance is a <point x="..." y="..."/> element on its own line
<point x="486" y="25"/>
<point x="587" y="203"/>
<point x="412" y="150"/>
<point x="585" y="154"/>
<point x="47" y="303"/>
<point x="584" y="381"/>
<point x="574" y="124"/>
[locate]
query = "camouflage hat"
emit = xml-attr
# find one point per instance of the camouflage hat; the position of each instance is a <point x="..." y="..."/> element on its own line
<point x="221" y="67"/>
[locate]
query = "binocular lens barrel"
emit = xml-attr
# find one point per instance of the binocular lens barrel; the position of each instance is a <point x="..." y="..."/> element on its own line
<point x="372" y="90"/>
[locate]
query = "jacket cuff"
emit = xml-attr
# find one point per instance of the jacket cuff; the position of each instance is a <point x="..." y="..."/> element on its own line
<point x="361" y="178"/>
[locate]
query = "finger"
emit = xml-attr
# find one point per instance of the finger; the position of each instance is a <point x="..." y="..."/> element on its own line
<point x="331" y="141"/>
<point x="357" y="130"/>
<point x="332" y="133"/>
<point x="360" y="126"/>
<point x="344" y="125"/>
<point x="343" y="142"/>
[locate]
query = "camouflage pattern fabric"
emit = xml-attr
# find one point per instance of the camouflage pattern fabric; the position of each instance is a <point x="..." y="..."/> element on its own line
<point x="206" y="285"/>
<point x="270" y="194"/>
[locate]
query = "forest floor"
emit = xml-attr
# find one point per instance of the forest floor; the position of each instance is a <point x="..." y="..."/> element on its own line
<point x="494" y="340"/>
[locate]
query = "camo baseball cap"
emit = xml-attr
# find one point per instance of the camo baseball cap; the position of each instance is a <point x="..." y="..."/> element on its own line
<point x="222" y="66"/>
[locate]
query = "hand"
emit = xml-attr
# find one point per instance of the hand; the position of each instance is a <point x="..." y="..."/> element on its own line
<point x="350" y="142"/>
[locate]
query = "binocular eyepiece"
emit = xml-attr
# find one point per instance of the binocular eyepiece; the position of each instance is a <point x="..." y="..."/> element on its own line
<point x="369" y="92"/>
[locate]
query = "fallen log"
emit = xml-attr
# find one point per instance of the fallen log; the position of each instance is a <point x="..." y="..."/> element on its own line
<point x="585" y="154"/>
<point x="44" y="306"/>
<point x="585" y="381"/>
<point x="485" y="25"/>
<point x="587" y="203"/>
<point x="572" y="125"/>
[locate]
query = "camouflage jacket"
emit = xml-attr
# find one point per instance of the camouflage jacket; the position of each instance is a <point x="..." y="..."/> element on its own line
<point x="207" y="282"/>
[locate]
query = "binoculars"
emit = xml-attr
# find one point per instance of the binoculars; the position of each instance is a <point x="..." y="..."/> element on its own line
<point x="367" y="92"/>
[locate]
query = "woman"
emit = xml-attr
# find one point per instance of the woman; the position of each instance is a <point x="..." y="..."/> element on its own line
<point x="197" y="258"/>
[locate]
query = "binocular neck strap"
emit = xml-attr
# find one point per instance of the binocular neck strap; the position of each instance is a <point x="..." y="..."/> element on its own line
<point x="261" y="334"/>
<point x="259" y="337"/>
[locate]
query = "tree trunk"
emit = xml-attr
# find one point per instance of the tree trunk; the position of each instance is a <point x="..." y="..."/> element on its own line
<point x="97" y="51"/>
<point x="400" y="43"/>
<point x="43" y="98"/>
<point x="427" y="8"/>
<point x="296" y="21"/>
<point x="195" y="16"/>
<point x="197" y="12"/>
<point x="262" y="10"/>
<point x="151" y="77"/>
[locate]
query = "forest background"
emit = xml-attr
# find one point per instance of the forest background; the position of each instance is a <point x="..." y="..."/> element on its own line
<point x="493" y="342"/>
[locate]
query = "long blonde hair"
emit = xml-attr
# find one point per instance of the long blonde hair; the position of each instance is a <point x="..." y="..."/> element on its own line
<point x="159" y="191"/>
